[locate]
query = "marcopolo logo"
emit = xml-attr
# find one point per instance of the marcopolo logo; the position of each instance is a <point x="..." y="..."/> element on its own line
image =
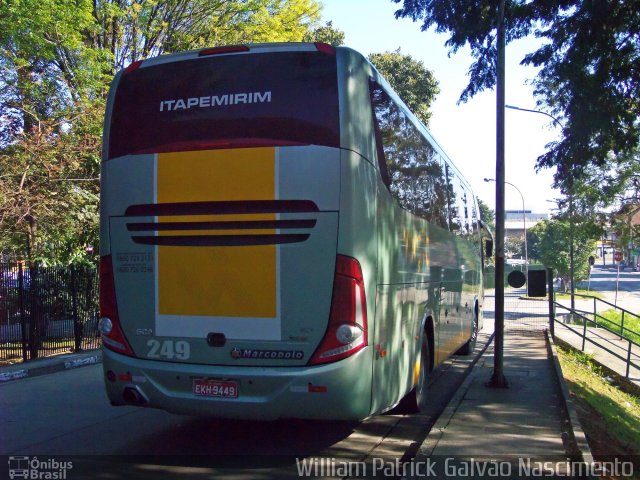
<point x="238" y="353"/>
<point x="36" y="469"/>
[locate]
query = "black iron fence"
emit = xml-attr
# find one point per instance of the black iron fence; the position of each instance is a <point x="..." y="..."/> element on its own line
<point x="47" y="310"/>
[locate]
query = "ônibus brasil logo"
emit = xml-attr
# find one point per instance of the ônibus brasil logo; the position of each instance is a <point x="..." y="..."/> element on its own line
<point x="36" y="469"/>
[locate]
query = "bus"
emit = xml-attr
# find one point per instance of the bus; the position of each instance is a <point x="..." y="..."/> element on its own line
<point x="280" y="237"/>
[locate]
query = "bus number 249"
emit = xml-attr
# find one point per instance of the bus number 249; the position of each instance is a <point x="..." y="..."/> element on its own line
<point x="169" y="349"/>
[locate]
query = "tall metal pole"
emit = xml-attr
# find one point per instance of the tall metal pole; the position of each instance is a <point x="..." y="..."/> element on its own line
<point x="498" y="379"/>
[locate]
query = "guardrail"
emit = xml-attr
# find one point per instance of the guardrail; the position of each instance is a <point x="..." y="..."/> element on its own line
<point x="611" y="341"/>
<point x="604" y="320"/>
<point x="597" y="336"/>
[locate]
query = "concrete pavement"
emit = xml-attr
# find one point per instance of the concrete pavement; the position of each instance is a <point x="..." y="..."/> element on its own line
<point x="621" y="289"/>
<point x="514" y="429"/>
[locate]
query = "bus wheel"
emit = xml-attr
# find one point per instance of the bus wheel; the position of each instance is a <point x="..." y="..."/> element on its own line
<point x="415" y="400"/>
<point x="425" y="374"/>
<point x="470" y="346"/>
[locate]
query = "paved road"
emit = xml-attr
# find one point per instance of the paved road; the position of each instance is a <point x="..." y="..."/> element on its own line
<point x="67" y="413"/>
<point x="605" y="279"/>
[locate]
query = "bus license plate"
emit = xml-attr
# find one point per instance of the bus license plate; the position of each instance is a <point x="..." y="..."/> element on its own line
<point x="215" y="388"/>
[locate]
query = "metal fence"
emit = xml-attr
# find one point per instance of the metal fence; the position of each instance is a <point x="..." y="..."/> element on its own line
<point x="47" y="310"/>
<point x="523" y="315"/>
<point x="585" y="328"/>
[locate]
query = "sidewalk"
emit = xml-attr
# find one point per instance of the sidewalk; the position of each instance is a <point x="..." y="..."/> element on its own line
<point x="522" y="423"/>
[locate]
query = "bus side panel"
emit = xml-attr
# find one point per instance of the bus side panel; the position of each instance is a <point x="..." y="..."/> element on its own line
<point x="124" y="181"/>
<point x="357" y="229"/>
<point x="406" y="292"/>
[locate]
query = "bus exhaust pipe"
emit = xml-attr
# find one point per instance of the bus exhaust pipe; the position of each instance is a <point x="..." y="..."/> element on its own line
<point x="132" y="395"/>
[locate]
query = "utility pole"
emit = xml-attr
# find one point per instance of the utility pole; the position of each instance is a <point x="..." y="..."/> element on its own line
<point x="498" y="379"/>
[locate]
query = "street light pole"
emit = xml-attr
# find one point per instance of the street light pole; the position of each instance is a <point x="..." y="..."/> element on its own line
<point x="524" y="223"/>
<point x="555" y="120"/>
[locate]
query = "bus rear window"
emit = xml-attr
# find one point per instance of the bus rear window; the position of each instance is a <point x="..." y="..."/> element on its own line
<point x="267" y="98"/>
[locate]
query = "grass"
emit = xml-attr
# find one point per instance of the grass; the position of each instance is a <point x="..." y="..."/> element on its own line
<point x="579" y="291"/>
<point x="612" y="319"/>
<point x="609" y="416"/>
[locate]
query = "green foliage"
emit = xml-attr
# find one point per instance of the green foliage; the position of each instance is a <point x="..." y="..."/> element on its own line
<point x="549" y="242"/>
<point x="413" y="82"/>
<point x="487" y="215"/>
<point x="588" y="70"/>
<point x="49" y="187"/>
<point x="612" y="319"/>
<point x="326" y="34"/>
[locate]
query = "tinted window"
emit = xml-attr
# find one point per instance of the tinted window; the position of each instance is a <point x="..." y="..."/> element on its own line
<point x="459" y="214"/>
<point x="409" y="165"/>
<point x="284" y="97"/>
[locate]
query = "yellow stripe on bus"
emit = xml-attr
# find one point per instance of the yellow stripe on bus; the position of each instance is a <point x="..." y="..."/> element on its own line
<point x="217" y="281"/>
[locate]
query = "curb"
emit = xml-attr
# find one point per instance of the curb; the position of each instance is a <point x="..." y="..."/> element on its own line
<point x="576" y="432"/>
<point x="48" y="365"/>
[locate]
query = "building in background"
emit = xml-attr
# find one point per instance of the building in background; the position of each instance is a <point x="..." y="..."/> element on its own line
<point x="514" y="222"/>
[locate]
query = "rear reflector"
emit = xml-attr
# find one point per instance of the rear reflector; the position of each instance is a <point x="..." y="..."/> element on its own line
<point x="347" y="330"/>
<point x="113" y="337"/>
<point x="223" y="50"/>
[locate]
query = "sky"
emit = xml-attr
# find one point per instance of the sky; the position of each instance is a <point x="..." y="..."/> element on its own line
<point x="467" y="132"/>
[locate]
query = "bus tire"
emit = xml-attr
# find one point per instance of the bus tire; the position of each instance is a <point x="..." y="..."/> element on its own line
<point x="470" y="346"/>
<point x="415" y="400"/>
<point x="425" y="373"/>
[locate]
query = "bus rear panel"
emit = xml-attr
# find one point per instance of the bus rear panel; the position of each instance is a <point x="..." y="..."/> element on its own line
<point x="220" y="211"/>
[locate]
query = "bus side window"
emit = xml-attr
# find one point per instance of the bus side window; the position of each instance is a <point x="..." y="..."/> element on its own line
<point x="377" y="103"/>
<point x="409" y="165"/>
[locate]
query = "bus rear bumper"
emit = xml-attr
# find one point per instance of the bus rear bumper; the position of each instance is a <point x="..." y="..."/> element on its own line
<point x="340" y="390"/>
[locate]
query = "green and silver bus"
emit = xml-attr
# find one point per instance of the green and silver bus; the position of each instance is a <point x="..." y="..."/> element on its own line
<point x="280" y="237"/>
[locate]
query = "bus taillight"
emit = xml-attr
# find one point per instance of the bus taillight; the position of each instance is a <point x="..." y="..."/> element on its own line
<point x="112" y="335"/>
<point x="347" y="330"/>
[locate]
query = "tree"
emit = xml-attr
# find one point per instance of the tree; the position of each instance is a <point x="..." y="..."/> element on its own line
<point x="413" y="82"/>
<point x="514" y="247"/>
<point x="589" y="77"/>
<point x="625" y="224"/>
<point x="487" y="215"/>
<point x="326" y="33"/>
<point x="57" y="59"/>
<point x="549" y="241"/>
<point x="49" y="189"/>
